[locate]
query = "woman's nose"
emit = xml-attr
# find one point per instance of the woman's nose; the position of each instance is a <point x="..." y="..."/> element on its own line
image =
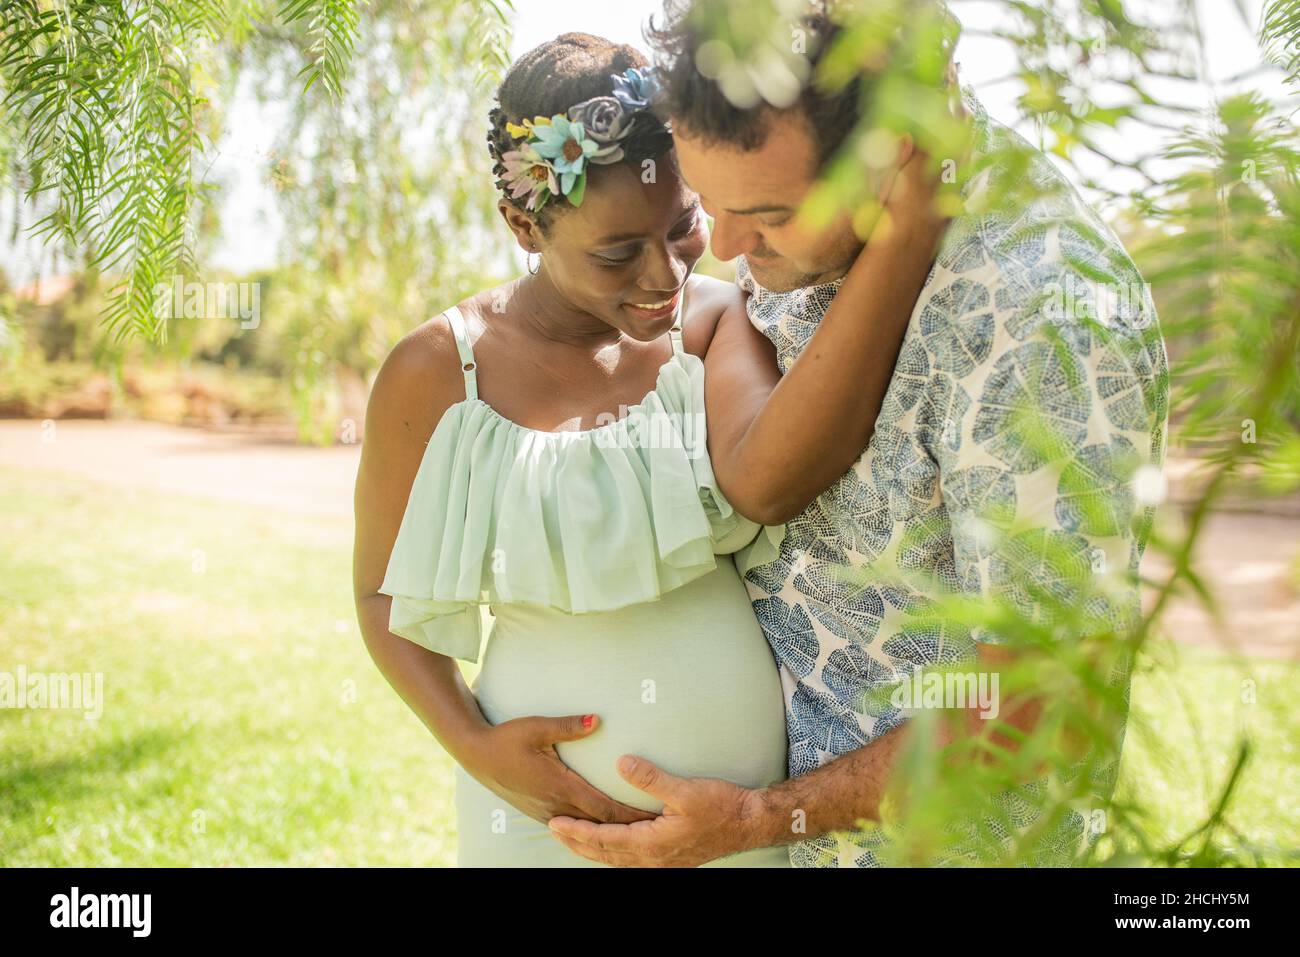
<point x="666" y="272"/>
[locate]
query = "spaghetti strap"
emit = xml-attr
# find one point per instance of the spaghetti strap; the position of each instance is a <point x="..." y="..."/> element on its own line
<point x="675" y="333"/>
<point x="467" y="364"/>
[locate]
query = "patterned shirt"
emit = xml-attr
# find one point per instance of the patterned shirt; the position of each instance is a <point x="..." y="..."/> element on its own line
<point x="1036" y="305"/>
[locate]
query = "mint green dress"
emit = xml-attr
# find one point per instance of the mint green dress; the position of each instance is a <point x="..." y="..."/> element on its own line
<point x="605" y="557"/>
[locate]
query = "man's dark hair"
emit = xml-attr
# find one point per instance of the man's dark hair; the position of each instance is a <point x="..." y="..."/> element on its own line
<point x="698" y="103"/>
<point x="561" y="73"/>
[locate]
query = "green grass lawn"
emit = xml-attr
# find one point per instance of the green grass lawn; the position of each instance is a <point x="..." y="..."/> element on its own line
<point x="245" y="724"/>
<point x="1191" y="711"/>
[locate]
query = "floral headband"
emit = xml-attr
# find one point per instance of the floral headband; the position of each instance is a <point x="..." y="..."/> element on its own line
<point x="554" y="153"/>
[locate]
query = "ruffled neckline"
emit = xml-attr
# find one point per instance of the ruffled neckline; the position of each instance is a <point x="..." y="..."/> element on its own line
<point x="677" y="358"/>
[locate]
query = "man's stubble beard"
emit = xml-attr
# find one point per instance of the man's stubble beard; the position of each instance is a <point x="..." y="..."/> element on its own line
<point x="788" y="280"/>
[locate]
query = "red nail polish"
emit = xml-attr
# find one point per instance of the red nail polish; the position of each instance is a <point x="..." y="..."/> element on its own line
<point x="587" y="721"/>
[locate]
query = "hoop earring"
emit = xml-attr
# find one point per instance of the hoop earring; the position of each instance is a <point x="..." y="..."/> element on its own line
<point x="529" y="266"/>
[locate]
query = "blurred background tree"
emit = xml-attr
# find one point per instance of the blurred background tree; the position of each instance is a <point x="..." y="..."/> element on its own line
<point x="112" y="116"/>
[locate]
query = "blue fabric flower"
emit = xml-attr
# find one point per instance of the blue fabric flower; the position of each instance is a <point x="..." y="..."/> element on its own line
<point x="635" y="89"/>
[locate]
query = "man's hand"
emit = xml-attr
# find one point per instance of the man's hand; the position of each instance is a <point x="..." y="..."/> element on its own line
<point x="703" y="819"/>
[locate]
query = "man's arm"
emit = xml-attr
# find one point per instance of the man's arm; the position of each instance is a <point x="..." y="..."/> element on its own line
<point x="776" y="442"/>
<point x="848" y="790"/>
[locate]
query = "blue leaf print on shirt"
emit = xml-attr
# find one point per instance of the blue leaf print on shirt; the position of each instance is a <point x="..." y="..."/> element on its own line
<point x="911" y="376"/>
<point x="1039" y="563"/>
<point x="903" y="471"/>
<point x="840" y="601"/>
<point x="929" y="642"/>
<point x="797" y="647"/>
<point x="1034" y="407"/>
<point x="1095" y="495"/>
<point x="984" y="500"/>
<point x="1121" y="389"/>
<point x="861" y="514"/>
<point x="957" y="324"/>
<point x="814" y="719"/>
<point x="940" y="417"/>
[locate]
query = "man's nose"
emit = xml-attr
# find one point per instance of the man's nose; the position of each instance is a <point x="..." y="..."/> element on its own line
<point x="731" y="237"/>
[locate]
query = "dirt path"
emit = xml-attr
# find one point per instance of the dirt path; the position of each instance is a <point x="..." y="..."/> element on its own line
<point x="1248" y="563"/>
<point x="231" y="466"/>
<point x="1247" y="559"/>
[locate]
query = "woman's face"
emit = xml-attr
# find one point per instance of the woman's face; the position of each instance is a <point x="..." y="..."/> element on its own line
<point x="623" y="256"/>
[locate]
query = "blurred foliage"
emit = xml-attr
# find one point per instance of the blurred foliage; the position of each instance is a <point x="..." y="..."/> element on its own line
<point x="107" y="108"/>
<point x="389" y="214"/>
<point x="381" y="180"/>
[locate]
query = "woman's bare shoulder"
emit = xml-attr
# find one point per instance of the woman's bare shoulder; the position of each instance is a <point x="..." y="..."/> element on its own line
<point x="418" y="381"/>
<point x="709" y="299"/>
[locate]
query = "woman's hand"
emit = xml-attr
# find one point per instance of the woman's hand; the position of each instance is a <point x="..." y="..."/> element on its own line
<point x="517" y="761"/>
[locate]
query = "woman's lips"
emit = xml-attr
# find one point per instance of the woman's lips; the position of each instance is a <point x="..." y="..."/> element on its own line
<point x="655" y="310"/>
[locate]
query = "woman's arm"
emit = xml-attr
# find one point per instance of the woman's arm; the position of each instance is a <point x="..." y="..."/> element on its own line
<point x="778" y="442"/>
<point x="516" y="759"/>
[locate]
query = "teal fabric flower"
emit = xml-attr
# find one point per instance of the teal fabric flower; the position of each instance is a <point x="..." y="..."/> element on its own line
<point x="568" y="147"/>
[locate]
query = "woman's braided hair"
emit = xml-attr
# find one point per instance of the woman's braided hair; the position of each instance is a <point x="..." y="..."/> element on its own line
<point x="555" y="76"/>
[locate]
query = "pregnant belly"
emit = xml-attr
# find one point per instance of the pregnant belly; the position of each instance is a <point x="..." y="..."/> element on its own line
<point x="688" y="682"/>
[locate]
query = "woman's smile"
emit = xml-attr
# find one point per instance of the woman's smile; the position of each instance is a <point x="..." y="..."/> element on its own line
<point x="655" y="310"/>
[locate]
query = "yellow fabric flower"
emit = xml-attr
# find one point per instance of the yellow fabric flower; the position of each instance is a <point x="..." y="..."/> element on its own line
<point x="525" y="130"/>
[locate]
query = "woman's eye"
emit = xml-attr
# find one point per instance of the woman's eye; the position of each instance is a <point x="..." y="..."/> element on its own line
<point x="617" y="257"/>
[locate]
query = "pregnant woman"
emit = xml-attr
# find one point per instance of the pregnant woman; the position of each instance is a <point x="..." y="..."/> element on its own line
<point x="540" y="448"/>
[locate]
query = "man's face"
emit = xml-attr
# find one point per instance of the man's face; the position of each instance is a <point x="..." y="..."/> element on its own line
<point x="753" y="197"/>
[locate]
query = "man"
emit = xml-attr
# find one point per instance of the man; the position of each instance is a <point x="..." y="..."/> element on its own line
<point x="1031" y="305"/>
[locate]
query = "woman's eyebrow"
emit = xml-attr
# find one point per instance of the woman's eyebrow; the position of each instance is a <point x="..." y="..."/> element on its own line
<point x="619" y="238"/>
<point x="627" y="237"/>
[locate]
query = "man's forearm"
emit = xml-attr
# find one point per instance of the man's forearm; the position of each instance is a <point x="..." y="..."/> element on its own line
<point x="833" y="798"/>
<point x="850" y="788"/>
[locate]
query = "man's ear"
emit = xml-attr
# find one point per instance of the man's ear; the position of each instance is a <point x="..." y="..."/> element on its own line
<point x="527" y="234"/>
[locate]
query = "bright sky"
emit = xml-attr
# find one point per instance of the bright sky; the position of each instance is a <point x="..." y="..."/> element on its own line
<point x="252" y="225"/>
